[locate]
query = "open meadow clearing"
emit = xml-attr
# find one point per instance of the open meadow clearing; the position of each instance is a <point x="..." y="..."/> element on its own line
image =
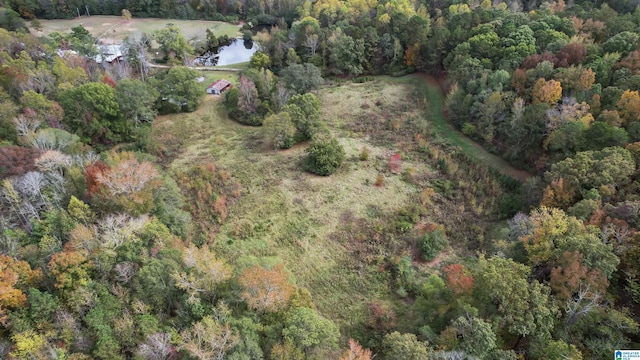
<point x="114" y="29"/>
<point x="324" y="228"/>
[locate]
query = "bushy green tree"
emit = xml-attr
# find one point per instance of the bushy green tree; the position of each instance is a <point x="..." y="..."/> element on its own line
<point x="302" y="78"/>
<point x="324" y="156"/>
<point x="622" y="43"/>
<point x="601" y="135"/>
<point x="179" y="90"/>
<point x="347" y="54"/>
<point x="307" y="329"/>
<point x="305" y="114"/>
<point x="280" y="129"/>
<point x="11" y="20"/>
<point x="83" y="42"/>
<point x="432" y="243"/>
<point x="172" y="43"/>
<point x="515" y="304"/>
<point x="476" y="336"/>
<point x="592" y="169"/>
<point x="91" y="111"/>
<point x="260" y="60"/>
<point x="399" y="346"/>
<point x="136" y="100"/>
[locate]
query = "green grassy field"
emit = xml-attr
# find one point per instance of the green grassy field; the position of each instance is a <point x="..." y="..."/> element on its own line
<point x="211" y="76"/>
<point x="298" y="218"/>
<point x="103" y="27"/>
<point x="297" y="215"/>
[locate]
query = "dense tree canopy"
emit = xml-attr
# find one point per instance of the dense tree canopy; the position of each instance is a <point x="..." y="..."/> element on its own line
<point x="92" y="112"/>
<point x="120" y="238"/>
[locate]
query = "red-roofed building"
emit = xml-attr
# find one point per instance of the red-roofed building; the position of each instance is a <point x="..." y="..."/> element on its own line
<point x="219" y="86"/>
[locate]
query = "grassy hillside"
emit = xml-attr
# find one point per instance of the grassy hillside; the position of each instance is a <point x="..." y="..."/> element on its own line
<point x="324" y="228"/>
<point x="114" y="29"/>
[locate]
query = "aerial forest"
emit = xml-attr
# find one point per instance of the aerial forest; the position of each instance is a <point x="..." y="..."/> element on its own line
<point x="384" y="179"/>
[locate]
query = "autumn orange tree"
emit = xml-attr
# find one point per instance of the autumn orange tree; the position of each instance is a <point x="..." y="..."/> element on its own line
<point x="15" y="277"/>
<point x="571" y="275"/>
<point x="559" y="193"/>
<point x="91" y="177"/>
<point x="266" y="290"/>
<point x="71" y="269"/>
<point x="356" y="352"/>
<point x="548" y="92"/>
<point x="286" y="351"/>
<point x="458" y="279"/>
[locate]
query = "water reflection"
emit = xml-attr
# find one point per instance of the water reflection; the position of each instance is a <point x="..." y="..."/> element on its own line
<point x="237" y="52"/>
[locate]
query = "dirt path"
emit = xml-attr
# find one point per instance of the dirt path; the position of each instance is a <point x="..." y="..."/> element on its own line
<point x="435" y="94"/>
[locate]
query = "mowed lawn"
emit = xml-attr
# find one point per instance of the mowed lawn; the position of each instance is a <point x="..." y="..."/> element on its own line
<point x="297" y="216"/>
<point x="114" y="29"/>
<point x="211" y="76"/>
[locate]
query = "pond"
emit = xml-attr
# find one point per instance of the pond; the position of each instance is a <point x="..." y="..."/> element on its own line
<point x="238" y="51"/>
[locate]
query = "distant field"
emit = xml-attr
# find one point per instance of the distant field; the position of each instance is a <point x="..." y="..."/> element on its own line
<point x="103" y="27"/>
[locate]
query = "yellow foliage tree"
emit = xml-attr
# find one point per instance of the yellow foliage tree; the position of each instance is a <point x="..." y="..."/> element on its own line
<point x="71" y="269"/>
<point x="28" y="345"/>
<point x="549" y="92"/>
<point x="629" y="106"/>
<point x="411" y="55"/>
<point x="205" y="271"/>
<point x="126" y="14"/>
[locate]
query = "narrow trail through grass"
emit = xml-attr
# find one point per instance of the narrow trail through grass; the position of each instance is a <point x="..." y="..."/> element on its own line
<point x="453" y="136"/>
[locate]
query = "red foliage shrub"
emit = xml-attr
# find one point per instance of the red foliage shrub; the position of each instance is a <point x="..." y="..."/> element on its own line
<point x="106" y="79"/>
<point x="395" y="163"/>
<point x="458" y="279"/>
<point x="532" y="61"/>
<point x="380" y="317"/>
<point x="91" y="175"/>
<point x="571" y="54"/>
<point x="17" y="160"/>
